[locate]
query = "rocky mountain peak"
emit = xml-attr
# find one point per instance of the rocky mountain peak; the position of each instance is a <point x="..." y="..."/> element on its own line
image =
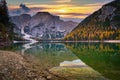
<point x="102" y="24"/>
<point x="43" y="13"/>
<point x="43" y="25"/>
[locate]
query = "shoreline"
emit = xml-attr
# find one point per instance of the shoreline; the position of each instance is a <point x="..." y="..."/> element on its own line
<point x="97" y="41"/>
<point x="94" y="41"/>
<point x="15" y="66"/>
<point x="62" y="41"/>
<point x="4" y="44"/>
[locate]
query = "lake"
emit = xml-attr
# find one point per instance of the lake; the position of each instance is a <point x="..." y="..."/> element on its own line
<point x="76" y="61"/>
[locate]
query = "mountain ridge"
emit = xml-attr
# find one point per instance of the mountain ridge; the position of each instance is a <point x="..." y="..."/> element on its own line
<point x="42" y="23"/>
<point x="103" y="24"/>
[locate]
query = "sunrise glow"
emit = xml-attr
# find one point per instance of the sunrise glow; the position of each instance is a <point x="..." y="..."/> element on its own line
<point x="62" y="8"/>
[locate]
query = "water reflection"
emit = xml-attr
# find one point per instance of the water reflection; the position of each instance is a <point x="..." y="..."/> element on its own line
<point x="74" y="63"/>
<point x="50" y="54"/>
<point x="87" y="61"/>
<point x="27" y="46"/>
<point x="103" y="57"/>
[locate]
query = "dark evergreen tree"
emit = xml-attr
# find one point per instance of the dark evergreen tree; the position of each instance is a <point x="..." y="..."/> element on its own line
<point x="6" y="27"/>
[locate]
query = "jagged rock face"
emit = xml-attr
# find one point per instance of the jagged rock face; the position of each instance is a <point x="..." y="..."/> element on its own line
<point x="107" y="11"/>
<point x="20" y="22"/>
<point x="37" y="24"/>
<point x="40" y="22"/>
<point x="111" y="12"/>
<point x="102" y="24"/>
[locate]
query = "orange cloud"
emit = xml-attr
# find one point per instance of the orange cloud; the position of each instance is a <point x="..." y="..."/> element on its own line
<point x="63" y="1"/>
<point x="65" y="10"/>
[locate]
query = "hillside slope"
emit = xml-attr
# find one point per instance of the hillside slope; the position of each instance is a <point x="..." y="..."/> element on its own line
<point x="103" y="24"/>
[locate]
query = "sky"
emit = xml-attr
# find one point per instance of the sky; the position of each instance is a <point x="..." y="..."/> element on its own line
<point x="75" y="10"/>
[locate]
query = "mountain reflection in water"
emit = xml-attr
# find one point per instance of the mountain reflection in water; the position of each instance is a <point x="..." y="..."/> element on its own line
<point x="77" y="61"/>
<point x="102" y="57"/>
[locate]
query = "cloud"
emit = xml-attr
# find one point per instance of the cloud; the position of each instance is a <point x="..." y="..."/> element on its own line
<point x="95" y="4"/>
<point x="63" y="10"/>
<point x="24" y="7"/>
<point x="74" y="15"/>
<point x="99" y="3"/>
<point x="63" y="1"/>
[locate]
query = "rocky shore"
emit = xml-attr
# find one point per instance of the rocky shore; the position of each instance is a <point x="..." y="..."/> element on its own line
<point x="3" y="44"/>
<point x="14" y="66"/>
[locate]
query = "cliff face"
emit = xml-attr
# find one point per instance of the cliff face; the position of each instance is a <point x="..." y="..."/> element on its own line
<point x="101" y="25"/>
<point x="20" y="22"/>
<point x="42" y="24"/>
<point x="6" y="26"/>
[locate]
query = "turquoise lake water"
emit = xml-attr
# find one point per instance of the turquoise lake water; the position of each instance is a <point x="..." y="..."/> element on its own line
<point x="103" y="58"/>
